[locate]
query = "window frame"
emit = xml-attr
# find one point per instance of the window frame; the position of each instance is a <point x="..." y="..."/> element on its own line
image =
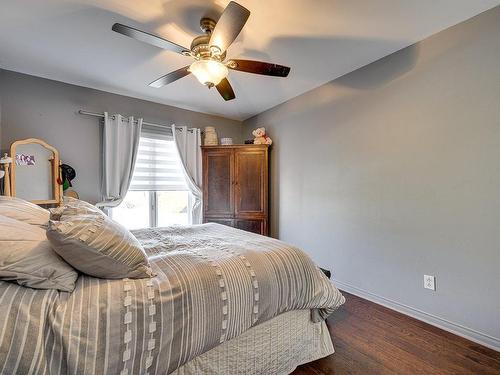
<point x="153" y="195"/>
<point x="153" y="212"/>
<point x="153" y="209"/>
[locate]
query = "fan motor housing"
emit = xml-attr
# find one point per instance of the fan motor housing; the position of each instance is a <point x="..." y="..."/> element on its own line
<point x="207" y="25"/>
<point x="201" y="49"/>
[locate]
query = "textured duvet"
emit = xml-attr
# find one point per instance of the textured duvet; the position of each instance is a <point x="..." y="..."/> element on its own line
<point x="213" y="283"/>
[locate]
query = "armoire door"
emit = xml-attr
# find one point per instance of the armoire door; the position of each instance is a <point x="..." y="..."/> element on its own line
<point x="258" y="226"/>
<point x="250" y="193"/>
<point x="218" y="177"/>
<point x="227" y="222"/>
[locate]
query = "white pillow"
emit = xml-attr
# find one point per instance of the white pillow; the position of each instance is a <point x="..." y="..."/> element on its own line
<point x="27" y="258"/>
<point x="22" y="210"/>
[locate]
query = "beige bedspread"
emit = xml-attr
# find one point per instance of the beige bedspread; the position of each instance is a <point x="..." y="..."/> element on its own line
<point x="275" y="347"/>
<point x="213" y="284"/>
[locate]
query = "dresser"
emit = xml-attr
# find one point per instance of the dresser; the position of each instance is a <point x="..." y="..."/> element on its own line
<point x="235" y="186"/>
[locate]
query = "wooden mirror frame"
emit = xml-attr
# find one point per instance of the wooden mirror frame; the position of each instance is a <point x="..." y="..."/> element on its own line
<point x="55" y="170"/>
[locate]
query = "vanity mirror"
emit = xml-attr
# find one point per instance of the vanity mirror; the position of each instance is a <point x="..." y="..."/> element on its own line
<point x="34" y="171"/>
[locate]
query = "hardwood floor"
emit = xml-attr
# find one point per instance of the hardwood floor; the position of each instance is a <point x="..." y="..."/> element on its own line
<point x="371" y="339"/>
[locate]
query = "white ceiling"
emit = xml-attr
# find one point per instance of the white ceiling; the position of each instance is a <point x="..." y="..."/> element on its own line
<point x="71" y="41"/>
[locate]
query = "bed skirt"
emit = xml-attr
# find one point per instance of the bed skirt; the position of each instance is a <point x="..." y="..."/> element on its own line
<point x="275" y="347"/>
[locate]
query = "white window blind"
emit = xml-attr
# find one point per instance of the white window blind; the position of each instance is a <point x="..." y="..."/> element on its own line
<point x="158" y="166"/>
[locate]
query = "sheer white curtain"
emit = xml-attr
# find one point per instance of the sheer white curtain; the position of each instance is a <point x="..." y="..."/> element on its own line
<point x="120" y="143"/>
<point x="188" y="141"/>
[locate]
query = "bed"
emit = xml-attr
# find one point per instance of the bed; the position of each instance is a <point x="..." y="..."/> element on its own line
<point x="222" y="301"/>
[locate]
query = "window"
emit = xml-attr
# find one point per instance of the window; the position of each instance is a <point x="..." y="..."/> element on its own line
<point x="158" y="194"/>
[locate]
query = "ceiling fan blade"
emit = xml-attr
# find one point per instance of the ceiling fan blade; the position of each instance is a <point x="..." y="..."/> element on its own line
<point x="225" y="90"/>
<point x="229" y="26"/>
<point x="148" y="38"/>
<point x="170" y="77"/>
<point x="258" y="67"/>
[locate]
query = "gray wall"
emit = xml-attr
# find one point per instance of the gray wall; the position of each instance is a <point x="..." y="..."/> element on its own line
<point x="393" y="172"/>
<point x="41" y="108"/>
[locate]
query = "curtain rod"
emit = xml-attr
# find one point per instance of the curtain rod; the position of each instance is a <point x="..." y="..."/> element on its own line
<point x="82" y="112"/>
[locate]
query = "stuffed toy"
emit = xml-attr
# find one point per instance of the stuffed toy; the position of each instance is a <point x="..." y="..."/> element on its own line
<point x="261" y="137"/>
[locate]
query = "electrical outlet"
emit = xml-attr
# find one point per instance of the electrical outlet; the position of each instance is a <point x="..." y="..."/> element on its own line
<point x="429" y="282"/>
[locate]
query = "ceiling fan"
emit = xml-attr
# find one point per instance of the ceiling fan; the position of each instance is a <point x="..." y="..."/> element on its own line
<point x="209" y="51"/>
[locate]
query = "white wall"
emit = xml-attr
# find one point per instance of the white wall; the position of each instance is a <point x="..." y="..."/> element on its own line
<point x="393" y="172"/>
<point x="46" y="109"/>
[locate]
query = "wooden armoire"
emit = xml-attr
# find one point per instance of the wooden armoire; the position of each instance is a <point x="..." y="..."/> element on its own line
<point x="235" y="186"/>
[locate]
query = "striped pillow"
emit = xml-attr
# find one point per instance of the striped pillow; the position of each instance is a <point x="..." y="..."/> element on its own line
<point x="98" y="246"/>
<point x="73" y="206"/>
<point x="27" y="258"/>
<point x="19" y="209"/>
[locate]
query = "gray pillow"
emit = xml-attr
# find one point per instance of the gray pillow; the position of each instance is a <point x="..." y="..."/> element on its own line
<point x="22" y="210"/>
<point x="98" y="246"/>
<point x="27" y="258"/>
<point x="73" y="206"/>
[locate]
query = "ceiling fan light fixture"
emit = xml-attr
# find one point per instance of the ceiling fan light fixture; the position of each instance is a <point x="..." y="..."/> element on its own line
<point x="209" y="72"/>
<point x="209" y="51"/>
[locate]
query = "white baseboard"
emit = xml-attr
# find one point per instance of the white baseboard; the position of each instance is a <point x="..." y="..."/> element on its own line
<point x="458" y="329"/>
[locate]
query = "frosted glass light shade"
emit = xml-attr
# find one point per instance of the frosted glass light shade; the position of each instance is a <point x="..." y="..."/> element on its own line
<point x="209" y="71"/>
